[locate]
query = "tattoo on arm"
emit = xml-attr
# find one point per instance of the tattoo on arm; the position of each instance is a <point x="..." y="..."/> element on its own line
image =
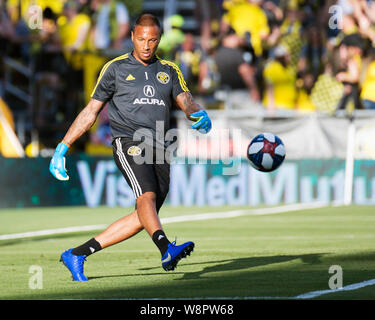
<point x="84" y="121"/>
<point x="187" y="104"/>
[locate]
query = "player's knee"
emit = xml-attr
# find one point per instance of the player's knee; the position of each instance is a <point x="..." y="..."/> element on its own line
<point x="146" y="197"/>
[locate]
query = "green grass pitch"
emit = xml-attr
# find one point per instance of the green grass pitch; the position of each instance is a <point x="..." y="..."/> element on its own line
<point x="254" y="256"/>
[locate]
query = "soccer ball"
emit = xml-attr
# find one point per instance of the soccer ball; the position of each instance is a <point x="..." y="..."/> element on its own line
<point x="266" y="152"/>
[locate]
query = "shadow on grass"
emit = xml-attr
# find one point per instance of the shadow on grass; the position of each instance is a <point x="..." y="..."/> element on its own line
<point x="246" y="263"/>
<point x="263" y="276"/>
<point x="228" y="278"/>
<point x="223" y="265"/>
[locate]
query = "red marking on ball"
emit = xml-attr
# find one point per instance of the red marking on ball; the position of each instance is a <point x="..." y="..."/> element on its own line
<point x="269" y="147"/>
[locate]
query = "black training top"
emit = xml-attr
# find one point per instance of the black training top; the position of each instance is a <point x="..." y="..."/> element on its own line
<point x="140" y="97"/>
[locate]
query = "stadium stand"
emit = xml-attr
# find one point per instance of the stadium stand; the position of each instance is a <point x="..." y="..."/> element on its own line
<point x="46" y="78"/>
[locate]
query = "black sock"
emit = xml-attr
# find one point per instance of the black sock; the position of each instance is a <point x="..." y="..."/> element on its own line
<point x="161" y="241"/>
<point x="87" y="248"/>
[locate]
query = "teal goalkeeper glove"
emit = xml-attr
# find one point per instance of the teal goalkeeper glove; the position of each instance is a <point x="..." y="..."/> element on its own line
<point x="57" y="164"/>
<point x="203" y="121"/>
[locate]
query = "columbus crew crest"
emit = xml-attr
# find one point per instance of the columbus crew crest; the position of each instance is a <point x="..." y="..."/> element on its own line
<point x="163" y="77"/>
<point x="134" y="151"/>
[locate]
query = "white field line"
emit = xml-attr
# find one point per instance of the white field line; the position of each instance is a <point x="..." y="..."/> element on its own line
<point x="239" y="213"/>
<point x="51" y="232"/>
<point x="193" y="217"/>
<point x="307" y="295"/>
<point x="351" y="287"/>
<point x="208" y="216"/>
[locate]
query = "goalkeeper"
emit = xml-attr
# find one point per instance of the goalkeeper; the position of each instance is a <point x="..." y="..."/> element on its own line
<point x="140" y="89"/>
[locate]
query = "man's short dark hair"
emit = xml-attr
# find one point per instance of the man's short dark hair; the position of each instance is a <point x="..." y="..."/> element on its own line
<point x="353" y="40"/>
<point x="147" y="20"/>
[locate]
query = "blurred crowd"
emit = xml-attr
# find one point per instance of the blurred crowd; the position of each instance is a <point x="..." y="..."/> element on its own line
<point x="52" y="37"/>
<point x="297" y="55"/>
<point x="294" y="55"/>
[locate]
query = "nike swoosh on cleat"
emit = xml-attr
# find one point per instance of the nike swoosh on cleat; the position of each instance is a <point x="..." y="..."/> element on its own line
<point x="167" y="259"/>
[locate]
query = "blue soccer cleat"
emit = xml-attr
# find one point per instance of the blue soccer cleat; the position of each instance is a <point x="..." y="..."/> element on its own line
<point x="175" y="253"/>
<point x="74" y="264"/>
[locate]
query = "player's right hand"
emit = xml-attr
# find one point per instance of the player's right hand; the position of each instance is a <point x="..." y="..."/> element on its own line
<point x="202" y="121"/>
<point x="57" y="164"/>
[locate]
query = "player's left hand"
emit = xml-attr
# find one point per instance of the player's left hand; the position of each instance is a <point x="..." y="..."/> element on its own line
<point x="202" y="121"/>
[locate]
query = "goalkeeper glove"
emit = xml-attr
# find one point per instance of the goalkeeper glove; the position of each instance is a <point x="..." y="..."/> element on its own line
<point x="57" y="164"/>
<point x="202" y="121"/>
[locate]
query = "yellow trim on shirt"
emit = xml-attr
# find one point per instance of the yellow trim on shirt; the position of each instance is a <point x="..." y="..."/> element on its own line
<point x="179" y="73"/>
<point x="124" y="56"/>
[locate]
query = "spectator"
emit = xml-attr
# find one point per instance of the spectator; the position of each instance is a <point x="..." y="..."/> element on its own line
<point x="280" y="78"/>
<point x="304" y="86"/>
<point x="84" y="6"/>
<point x="6" y="27"/>
<point x="112" y="25"/>
<point x="20" y="44"/>
<point x="274" y="12"/>
<point x="249" y="21"/>
<point x="351" y="51"/>
<point x="346" y="23"/>
<point x="292" y="22"/>
<point x="235" y="72"/>
<point x="312" y="55"/>
<point x="20" y="9"/>
<point x="209" y="13"/>
<point x="74" y="28"/>
<point x="49" y="66"/>
<point x="327" y="91"/>
<point x="365" y="16"/>
<point x="209" y="77"/>
<point x="368" y="9"/>
<point x="6" y="34"/>
<point x="188" y="56"/>
<point x="368" y="85"/>
<point x="291" y="32"/>
<point x="172" y="38"/>
<point x="275" y="17"/>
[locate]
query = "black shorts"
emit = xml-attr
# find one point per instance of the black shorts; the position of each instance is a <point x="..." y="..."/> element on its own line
<point x="144" y="177"/>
